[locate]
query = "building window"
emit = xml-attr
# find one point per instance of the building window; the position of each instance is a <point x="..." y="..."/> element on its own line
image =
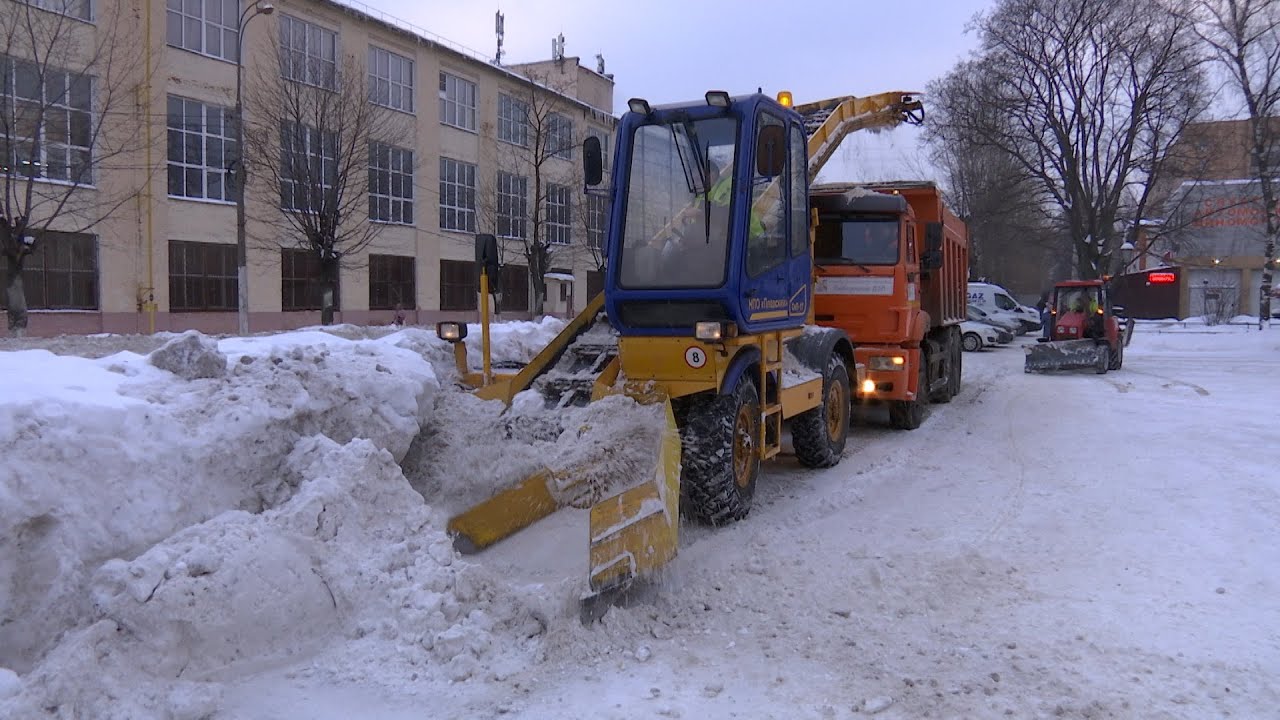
<point x="457" y="195"/>
<point x="515" y="288"/>
<point x="61" y="274"/>
<point x="202" y="147"/>
<point x="597" y="217"/>
<point x="300" y="287"/>
<point x="560" y="136"/>
<point x="308" y="52"/>
<point x="202" y="276"/>
<point x="513" y="206"/>
<point x="457" y="102"/>
<point x="391" y="282"/>
<point x="82" y="9"/>
<point x="49" y="132"/>
<point x="390" y="184"/>
<point x="390" y="80"/>
<point x="308" y="167"/>
<point x="208" y="27"/>
<point x="557" y="214"/>
<point x="513" y="121"/>
<point x="458" y="285"/>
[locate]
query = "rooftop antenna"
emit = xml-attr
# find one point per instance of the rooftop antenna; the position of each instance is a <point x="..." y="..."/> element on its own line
<point x="557" y="47"/>
<point x="498" y="28"/>
<point x="600" y="63"/>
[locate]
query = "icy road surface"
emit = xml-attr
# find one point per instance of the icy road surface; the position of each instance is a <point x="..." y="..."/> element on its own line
<point x="1045" y="546"/>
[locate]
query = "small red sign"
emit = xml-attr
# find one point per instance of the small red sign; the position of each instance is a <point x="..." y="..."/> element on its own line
<point x="1162" y="278"/>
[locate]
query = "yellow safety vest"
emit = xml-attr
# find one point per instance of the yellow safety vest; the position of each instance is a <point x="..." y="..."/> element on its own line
<point x="721" y="194"/>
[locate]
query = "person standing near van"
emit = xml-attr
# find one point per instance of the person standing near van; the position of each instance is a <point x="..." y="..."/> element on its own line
<point x="1045" y="315"/>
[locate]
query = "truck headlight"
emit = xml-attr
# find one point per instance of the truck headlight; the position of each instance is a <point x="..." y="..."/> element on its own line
<point x="451" y="331"/>
<point x="709" y="331"/>
<point x="868" y="387"/>
<point x="890" y="362"/>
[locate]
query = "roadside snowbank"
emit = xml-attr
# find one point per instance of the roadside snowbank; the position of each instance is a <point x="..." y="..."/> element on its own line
<point x="165" y="531"/>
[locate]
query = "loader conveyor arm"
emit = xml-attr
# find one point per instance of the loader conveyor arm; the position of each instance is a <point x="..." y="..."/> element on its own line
<point x="828" y="122"/>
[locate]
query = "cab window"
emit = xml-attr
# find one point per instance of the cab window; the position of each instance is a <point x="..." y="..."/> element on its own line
<point x="766" y="226"/>
<point x="799" y="202"/>
<point x="1004" y="302"/>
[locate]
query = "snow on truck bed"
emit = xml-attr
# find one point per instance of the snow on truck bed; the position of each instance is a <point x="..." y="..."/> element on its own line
<point x="243" y="534"/>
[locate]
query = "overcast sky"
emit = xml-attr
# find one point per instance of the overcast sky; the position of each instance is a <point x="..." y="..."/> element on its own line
<point x="675" y="50"/>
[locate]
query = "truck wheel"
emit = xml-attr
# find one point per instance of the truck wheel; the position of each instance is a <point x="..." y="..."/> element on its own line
<point x="958" y="376"/>
<point x="972" y="343"/>
<point x="1117" y="357"/>
<point x="1104" y="360"/>
<point x="909" y="414"/>
<point x="720" y="460"/>
<point x="952" y="355"/>
<point x="819" y="434"/>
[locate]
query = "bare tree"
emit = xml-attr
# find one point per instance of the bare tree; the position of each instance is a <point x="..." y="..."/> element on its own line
<point x="1245" y="38"/>
<point x="68" y="116"/>
<point x="312" y="133"/>
<point x="535" y="157"/>
<point x="1090" y="95"/>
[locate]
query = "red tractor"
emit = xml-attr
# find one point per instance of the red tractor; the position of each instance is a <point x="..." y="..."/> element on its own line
<point x="1085" y="331"/>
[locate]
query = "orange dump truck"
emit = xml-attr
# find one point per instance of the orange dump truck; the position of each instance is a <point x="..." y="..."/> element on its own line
<point x="893" y="266"/>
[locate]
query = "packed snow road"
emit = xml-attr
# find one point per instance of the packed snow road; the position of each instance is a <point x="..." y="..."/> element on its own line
<point x="1069" y="545"/>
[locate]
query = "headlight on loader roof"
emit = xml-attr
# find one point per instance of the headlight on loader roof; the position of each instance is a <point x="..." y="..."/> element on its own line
<point x="888" y="362"/>
<point x="451" y="331"/>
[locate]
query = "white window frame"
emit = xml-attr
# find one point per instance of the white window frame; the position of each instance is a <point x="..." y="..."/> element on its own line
<point x="47" y="108"/>
<point x="597" y="209"/>
<point x="198" y="126"/>
<point x="558" y="215"/>
<point x="316" y="61"/>
<point x="513" y="120"/>
<point x="457" y="195"/>
<point x="513" y="206"/>
<point x="66" y="7"/>
<point x="313" y="148"/>
<point x="560" y="136"/>
<point x="457" y="102"/>
<point x="390" y="167"/>
<point x="390" y="79"/>
<point x="211" y="19"/>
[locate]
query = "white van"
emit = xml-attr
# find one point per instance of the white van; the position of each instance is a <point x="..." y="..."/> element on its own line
<point x="995" y="299"/>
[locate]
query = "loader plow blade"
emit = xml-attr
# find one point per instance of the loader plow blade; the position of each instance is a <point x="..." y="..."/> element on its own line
<point x="1062" y="355"/>
<point x="504" y="514"/>
<point x="634" y="533"/>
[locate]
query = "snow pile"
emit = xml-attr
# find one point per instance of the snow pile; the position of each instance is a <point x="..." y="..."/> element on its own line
<point x="512" y="342"/>
<point x="191" y="356"/>
<point x="597" y="449"/>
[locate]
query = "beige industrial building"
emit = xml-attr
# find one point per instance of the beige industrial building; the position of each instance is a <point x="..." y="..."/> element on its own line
<point x="164" y="257"/>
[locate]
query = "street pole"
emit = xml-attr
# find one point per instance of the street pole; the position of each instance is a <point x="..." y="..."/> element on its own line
<point x="242" y="249"/>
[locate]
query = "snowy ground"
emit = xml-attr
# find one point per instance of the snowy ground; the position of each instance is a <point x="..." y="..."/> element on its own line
<point x="249" y="546"/>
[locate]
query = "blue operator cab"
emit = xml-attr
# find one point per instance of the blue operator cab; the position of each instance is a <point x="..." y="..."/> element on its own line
<point x="709" y="218"/>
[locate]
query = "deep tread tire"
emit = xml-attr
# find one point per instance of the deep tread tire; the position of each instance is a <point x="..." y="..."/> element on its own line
<point x="819" y="435"/>
<point x="708" y="476"/>
<point x="909" y="414"/>
<point x="1117" y="357"/>
<point x="952" y="354"/>
<point x="972" y="343"/>
<point x="1104" y="360"/>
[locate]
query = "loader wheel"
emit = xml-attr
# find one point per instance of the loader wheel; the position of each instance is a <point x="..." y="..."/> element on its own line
<point x="909" y="414"/>
<point x="1117" y="357"/>
<point x="1104" y="360"/>
<point x="720" y="460"/>
<point x="972" y="343"/>
<point x="819" y="435"/>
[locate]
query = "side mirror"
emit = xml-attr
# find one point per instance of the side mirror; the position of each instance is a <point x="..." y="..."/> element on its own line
<point x="592" y="161"/>
<point x="931" y="258"/>
<point x="771" y="151"/>
<point x="487" y="259"/>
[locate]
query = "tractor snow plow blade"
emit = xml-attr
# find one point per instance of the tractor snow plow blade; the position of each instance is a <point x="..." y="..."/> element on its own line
<point x="634" y="534"/>
<point x="1063" y="355"/>
<point x="504" y="514"/>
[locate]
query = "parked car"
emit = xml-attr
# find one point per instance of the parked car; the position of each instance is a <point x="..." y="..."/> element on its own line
<point x="1002" y="321"/>
<point x="977" y="335"/>
<point x="995" y="299"/>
